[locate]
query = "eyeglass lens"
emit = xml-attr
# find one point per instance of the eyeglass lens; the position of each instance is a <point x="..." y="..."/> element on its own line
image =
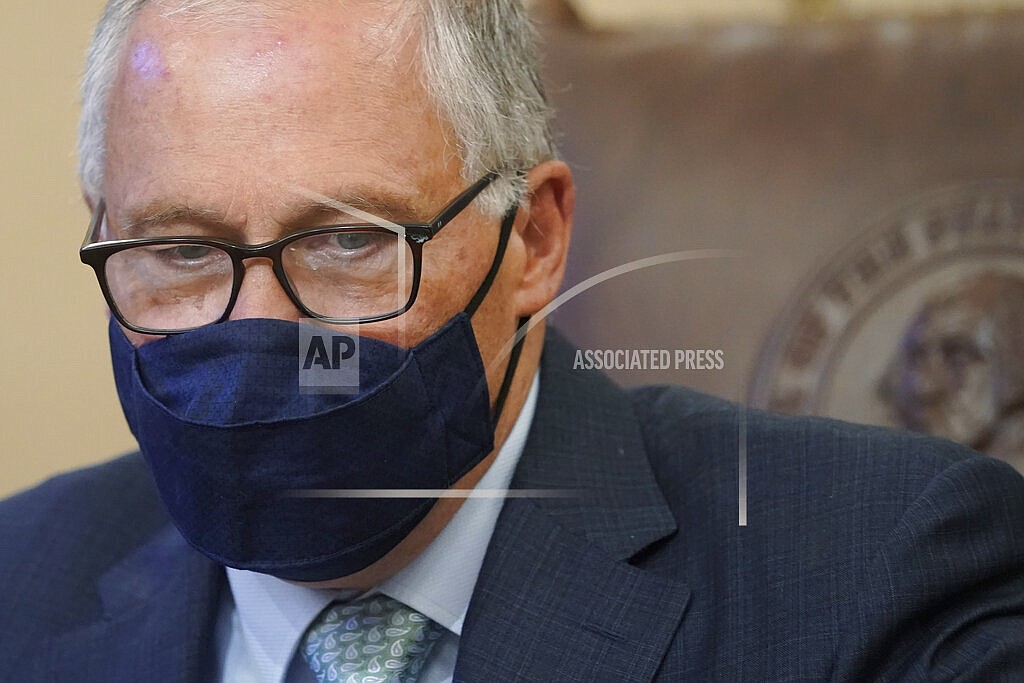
<point x="342" y="274"/>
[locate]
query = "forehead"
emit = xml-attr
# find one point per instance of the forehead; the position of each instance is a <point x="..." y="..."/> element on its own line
<point x="270" y="94"/>
<point x="374" y="29"/>
<point x="278" y="51"/>
<point x="948" y="319"/>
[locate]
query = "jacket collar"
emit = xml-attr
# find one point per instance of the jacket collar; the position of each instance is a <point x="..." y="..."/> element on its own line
<point x="556" y="578"/>
<point x="159" y="612"/>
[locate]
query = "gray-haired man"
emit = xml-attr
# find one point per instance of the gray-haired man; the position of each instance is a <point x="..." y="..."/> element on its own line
<point x="381" y="173"/>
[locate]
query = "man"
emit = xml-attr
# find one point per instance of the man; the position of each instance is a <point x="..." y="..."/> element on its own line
<point x="253" y="164"/>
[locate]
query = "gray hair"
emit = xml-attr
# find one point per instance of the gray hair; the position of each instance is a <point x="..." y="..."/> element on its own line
<point x="478" y="62"/>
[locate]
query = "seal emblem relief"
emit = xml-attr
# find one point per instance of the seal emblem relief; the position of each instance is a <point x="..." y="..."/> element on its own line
<point x="918" y="323"/>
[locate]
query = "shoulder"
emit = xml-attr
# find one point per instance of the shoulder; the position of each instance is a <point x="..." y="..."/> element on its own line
<point x="56" y="538"/>
<point x="91" y="501"/>
<point x="872" y="550"/>
<point x="792" y="466"/>
<point x="686" y="431"/>
<point x="808" y="472"/>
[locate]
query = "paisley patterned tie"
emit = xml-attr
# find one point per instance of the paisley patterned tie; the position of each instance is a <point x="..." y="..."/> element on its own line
<point x="372" y="640"/>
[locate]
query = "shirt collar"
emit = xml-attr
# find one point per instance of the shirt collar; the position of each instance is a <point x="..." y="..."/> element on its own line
<point x="273" y="614"/>
<point x="440" y="582"/>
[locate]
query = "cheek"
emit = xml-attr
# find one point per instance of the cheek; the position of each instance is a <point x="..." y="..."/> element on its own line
<point x="137" y="339"/>
<point x="977" y="383"/>
<point x="453" y="269"/>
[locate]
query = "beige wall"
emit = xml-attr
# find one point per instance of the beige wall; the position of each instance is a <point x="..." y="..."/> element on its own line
<point x="58" y="408"/>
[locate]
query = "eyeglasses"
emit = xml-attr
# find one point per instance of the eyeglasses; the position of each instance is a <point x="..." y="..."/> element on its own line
<point x="339" y="274"/>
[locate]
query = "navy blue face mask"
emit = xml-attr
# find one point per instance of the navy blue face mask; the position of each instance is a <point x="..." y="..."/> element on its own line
<point x="228" y="435"/>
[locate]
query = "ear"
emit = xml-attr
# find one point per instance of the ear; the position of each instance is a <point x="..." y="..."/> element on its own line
<point x="545" y="235"/>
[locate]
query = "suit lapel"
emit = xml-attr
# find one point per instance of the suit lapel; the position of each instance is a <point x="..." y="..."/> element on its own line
<point x="159" y="616"/>
<point x="556" y="598"/>
<point x="550" y="606"/>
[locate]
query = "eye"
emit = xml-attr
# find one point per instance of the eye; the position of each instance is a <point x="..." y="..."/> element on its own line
<point x="190" y="252"/>
<point x="960" y="352"/>
<point x="352" y="241"/>
<point x="184" y="254"/>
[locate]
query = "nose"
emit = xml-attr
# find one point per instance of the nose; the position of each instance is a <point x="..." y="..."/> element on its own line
<point x="929" y="378"/>
<point x="262" y="295"/>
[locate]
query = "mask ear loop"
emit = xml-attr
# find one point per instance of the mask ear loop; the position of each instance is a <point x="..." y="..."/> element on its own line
<point x="510" y="371"/>
<point x="499" y="255"/>
<point x="513" y="360"/>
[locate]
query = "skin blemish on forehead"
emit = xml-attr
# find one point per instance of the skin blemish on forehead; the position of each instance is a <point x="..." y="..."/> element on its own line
<point x="147" y="61"/>
<point x="260" y="66"/>
<point x="270" y="51"/>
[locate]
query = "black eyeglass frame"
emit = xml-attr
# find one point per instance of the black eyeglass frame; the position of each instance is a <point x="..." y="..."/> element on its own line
<point x="95" y="255"/>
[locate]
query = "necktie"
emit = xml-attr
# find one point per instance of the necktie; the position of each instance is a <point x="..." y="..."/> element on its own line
<point x="372" y="640"/>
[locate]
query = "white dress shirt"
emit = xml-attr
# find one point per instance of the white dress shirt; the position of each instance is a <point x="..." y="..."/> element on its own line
<point x="263" y="618"/>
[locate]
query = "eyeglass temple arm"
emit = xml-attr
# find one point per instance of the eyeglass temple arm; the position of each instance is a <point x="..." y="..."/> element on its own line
<point x="460" y="203"/>
<point x="94" y="224"/>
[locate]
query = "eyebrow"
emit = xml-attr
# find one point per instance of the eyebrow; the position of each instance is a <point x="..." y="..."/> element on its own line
<point x="315" y="208"/>
<point x="382" y="204"/>
<point x="158" y="216"/>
